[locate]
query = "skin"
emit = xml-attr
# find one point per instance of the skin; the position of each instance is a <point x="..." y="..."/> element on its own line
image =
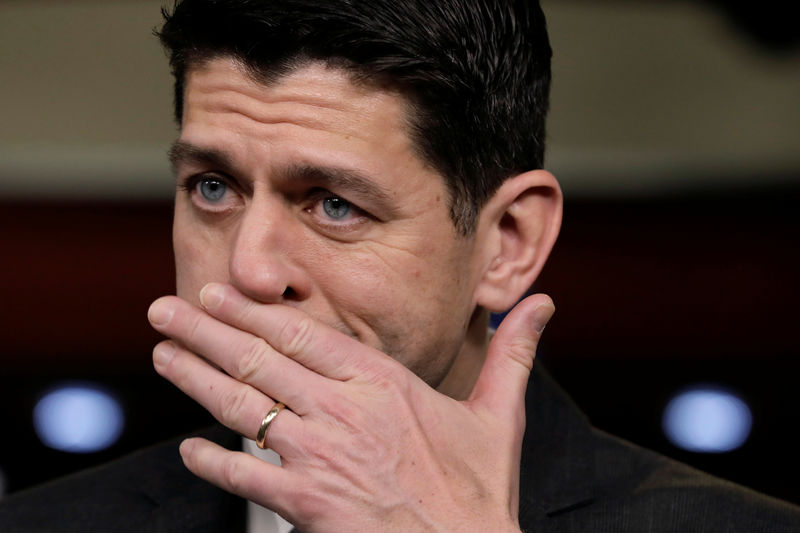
<point x="317" y="265"/>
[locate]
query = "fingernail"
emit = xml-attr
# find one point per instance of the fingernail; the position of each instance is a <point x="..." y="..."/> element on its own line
<point x="160" y="313"/>
<point x="162" y="354"/>
<point x="542" y="315"/>
<point x="211" y="295"/>
<point x="186" y="447"/>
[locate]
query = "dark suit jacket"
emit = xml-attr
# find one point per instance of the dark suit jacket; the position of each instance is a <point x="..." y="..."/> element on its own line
<point x="574" y="478"/>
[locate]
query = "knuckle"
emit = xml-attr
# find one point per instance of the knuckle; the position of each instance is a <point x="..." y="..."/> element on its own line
<point x="252" y="360"/>
<point x="385" y="375"/>
<point x="193" y="327"/>
<point x="522" y="351"/>
<point x="295" y="336"/>
<point x="232" y="474"/>
<point x="320" y="453"/>
<point x="346" y="415"/>
<point x="232" y="405"/>
<point x="248" y="314"/>
<point x="308" y="505"/>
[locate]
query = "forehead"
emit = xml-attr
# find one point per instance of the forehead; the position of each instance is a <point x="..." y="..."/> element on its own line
<point x="316" y="109"/>
<point x="311" y="95"/>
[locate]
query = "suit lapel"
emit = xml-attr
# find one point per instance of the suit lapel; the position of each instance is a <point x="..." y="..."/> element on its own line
<point x="557" y="472"/>
<point x="184" y="502"/>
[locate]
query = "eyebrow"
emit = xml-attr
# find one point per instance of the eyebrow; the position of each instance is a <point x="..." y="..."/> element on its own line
<point x="335" y="178"/>
<point x="184" y="152"/>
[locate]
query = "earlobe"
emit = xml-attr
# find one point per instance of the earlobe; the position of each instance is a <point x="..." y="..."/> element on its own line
<point x="517" y="229"/>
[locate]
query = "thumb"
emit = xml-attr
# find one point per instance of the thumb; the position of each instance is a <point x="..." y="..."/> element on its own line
<point x="501" y="385"/>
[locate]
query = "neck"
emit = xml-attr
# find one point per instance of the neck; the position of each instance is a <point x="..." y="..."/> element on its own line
<point x="461" y="378"/>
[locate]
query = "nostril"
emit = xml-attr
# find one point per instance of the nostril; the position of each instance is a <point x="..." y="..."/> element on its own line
<point x="290" y="294"/>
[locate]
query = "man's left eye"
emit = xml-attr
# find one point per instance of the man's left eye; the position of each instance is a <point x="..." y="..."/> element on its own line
<point x="335" y="207"/>
<point x="335" y="215"/>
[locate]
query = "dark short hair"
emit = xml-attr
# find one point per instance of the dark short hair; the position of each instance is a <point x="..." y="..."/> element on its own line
<point x="476" y="72"/>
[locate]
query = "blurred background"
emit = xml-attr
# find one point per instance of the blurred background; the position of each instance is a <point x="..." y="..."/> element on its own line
<point x="675" y="132"/>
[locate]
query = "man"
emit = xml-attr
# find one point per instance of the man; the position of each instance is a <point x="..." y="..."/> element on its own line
<point x="359" y="185"/>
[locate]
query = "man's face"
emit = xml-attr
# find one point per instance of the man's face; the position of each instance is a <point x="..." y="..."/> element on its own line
<point x="308" y="192"/>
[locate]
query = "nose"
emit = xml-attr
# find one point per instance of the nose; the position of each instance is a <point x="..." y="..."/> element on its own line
<point x="262" y="263"/>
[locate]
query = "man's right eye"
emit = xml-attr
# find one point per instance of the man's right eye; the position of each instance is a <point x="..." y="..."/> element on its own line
<point x="211" y="193"/>
<point x="212" y="190"/>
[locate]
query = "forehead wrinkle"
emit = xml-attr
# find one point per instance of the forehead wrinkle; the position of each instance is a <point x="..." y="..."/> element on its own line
<point x="294" y="101"/>
<point x="264" y="96"/>
<point x="308" y="117"/>
<point x="335" y="92"/>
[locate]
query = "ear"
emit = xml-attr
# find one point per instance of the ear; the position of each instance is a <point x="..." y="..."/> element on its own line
<point x="515" y="234"/>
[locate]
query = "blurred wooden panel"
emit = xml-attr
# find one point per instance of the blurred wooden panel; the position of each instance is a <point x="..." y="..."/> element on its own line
<point x="706" y="276"/>
<point x="77" y="279"/>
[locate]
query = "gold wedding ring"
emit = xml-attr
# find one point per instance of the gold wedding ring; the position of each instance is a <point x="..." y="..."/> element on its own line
<point x="261" y="438"/>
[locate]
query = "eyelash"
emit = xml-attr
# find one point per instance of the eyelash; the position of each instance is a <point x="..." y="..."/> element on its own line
<point x="317" y="196"/>
<point x="189" y="184"/>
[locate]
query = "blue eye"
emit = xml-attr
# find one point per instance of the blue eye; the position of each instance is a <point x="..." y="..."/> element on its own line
<point x="212" y="190"/>
<point x="335" y="207"/>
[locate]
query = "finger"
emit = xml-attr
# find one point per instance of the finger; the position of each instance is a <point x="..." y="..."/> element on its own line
<point x="502" y="382"/>
<point x="236" y="405"/>
<point x="239" y="473"/>
<point x="294" y="334"/>
<point x="244" y="356"/>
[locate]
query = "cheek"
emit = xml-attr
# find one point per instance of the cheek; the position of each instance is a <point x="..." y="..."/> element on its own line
<point x="425" y="283"/>
<point x="359" y="286"/>
<point x="199" y="258"/>
<point x="405" y="301"/>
